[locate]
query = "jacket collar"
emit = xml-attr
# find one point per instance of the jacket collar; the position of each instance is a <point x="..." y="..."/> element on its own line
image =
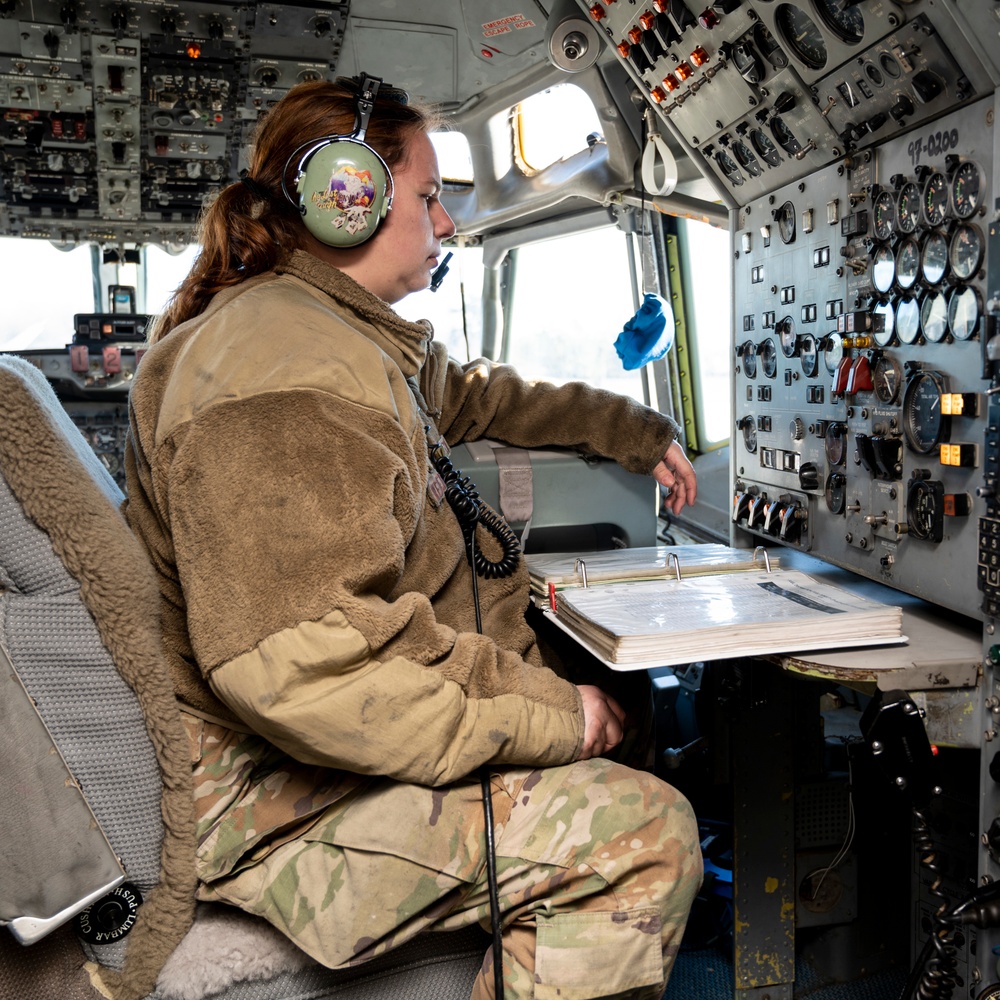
<point x="404" y="342"/>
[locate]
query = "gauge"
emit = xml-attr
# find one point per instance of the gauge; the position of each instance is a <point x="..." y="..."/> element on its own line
<point x="843" y="19"/>
<point x="883" y="268"/>
<point x="925" y="509"/>
<point x="907" y="320"/>
<point x="785" y="329"/>
<point x="884" y="213"/>
<point x="748" y="352"/>
<point x="767" y="150"/>
<point x="744" y="154"/>
<point x="934" y="258"/>
<point x="964" y="311"/>
<point x="834" y="442"/>
<point x="886" y="377"/>
<point x="768" y="354"/>
<point x="833" y="351"/>
<point x="785" y="218"/>
<point x="749" y="427"/>
<point x="966" y="252"/>
<point x="935" y="199"/>
<point x="907" y="263"/>
<point x="748" y="64"/>
<point x="836" y="492"/>
<point x="801" y="35"/>
<point x="784" y="136"/>
<point x="934" y="317"/>
<point x="729" y="168"/>
<point x="908" y="207"/>
<point x="808" y="355"/>
<point x="967" y="187"/>
<point x="923" y="423"/>
<point x="883" y="324"/>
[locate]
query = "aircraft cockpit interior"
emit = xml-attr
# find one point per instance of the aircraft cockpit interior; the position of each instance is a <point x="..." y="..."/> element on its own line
<point x="776" y="222"/>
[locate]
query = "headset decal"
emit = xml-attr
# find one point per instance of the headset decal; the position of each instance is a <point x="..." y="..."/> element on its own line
<point x="351" y="194"/>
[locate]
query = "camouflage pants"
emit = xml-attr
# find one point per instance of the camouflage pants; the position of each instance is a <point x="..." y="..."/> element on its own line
<point x="597" y="865"/>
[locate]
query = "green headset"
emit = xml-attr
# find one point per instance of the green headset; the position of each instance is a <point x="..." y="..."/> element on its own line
<point x="343" y="187"/>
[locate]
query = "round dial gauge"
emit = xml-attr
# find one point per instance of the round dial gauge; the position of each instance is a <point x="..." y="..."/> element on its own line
<point x="883" y="268"/>
<point x="934" y="317"/>
<point x="886" y="377"/>
<point x="964" y="312"/>
<point x="768" y="354"/>
<point x="833" y="351"/>
<point x="923" y="424"/>
<point x="801" y="35"/>
<point x="907" y="320"/>
<point x="908" y="207"/>
<point x="935" y="202"/>
<point x="744" y="154"/>
<point x="785" y="218"/>
<point x="884" y="215"/>
<point x="966" y="252"/>
<point x="924" y="509"/>
<point x="767" y="150"/>
<point x="834" y="443"/>
<point x="749" y="427"/>
<point x="934" y="258"/>
<point x="836" y="492"/>
<point x="907" y="263"/>
<point x="808" y="355"/>
<point x="784" y="136"/>
<point x="785" y="329"/>
<point x="728" y="166"/>
<point x="968" y="185"/>
<point x="883" y="324"/>
<point x="748" y="352"/>
<point x="843" y="19"/>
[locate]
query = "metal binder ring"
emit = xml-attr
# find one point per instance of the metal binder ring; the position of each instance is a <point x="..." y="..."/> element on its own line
<point x="672" y="558"/>
<point x="767" y="558"/>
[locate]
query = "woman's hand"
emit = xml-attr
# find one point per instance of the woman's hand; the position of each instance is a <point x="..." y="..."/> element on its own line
<point x="676" y="474"/>
<point x="603" y="719"/>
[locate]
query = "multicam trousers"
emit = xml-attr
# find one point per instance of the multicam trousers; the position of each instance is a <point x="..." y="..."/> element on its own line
<point x="598" y="864"/>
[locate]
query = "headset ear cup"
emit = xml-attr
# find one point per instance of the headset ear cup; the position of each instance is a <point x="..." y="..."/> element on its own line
<point x="345" y="191"/>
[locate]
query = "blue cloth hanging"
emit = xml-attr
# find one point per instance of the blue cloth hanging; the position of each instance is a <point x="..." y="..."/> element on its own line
<point x="648" y="335"/>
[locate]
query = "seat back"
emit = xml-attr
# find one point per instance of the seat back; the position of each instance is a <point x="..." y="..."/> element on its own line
<point x="79" y="622"/>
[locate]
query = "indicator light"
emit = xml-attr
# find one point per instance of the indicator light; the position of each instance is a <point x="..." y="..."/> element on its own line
<point x="958" y="454"/>
<point x="708" y="18"/>
<point x="658" y="95"/>
<point x="663" y="6"/>
<point x="959" y="404"/>
<point x="597" y="12"/>
<point x="684" y="70"/>
<point x="647" y="20"/>
<point x="623" y="49"/>
<point x="635" y="35"/>
<point x="671" y="82"/>
<point x="699" y="57"/>
<point x="193" y="50"/>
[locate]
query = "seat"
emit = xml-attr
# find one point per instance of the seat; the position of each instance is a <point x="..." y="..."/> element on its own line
<point x="93" y="752"/>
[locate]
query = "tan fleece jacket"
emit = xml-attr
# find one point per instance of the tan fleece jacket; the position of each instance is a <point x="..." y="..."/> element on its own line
<point x="278" y="476"/>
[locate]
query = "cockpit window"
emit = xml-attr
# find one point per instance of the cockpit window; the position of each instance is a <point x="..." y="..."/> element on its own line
<point x="553" y="125"/>
<point x="164" y="272"/>
<point x="454" y="157"/>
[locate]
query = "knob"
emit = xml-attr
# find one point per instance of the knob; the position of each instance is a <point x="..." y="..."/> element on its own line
<point x="902" y="109"/>
<point x="784" y="102"/>
<point x="926" y="85"/>
<point x="808" y="476"/>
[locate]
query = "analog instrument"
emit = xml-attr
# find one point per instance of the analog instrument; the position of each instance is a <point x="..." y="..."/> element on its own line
<point x="767" y="150"/>
<point x="883" y="324"/>
<point x="834" y="442"/>
<point x="748" y="63"/>
<point x="844" y="19"/>
<point x="907" y="320"/>
<point x="907" y="263"/>
<point x="934" y="317"/>
<point x="836" y="492"/>
<point x="924" y="426"/>
<point x="968" y="187"/>
<point x="800" y="33"/>
<point x="785" y="218"/>
<point x="749" y="427"/>
<point x="935" y="199"/>
<point x="925" y="509"/>
<point x="966" y="251"/>
<point x="785" y="329"/>
<point x="768" y="354"/>
<point x="908" y="207"/>
<point x="808" y="355"/>
<point x="934" y="258"/>
<point x="964" y="312"/>
<point x="748" y="352"/>
<point x="729" y="167"/>
<point x="883" y="268"/>
<point x="884" y="215"/>
<point x="886" y="378"/>
<point x="784" y="135"/>
<point x="744" y="154"/>
<point x="833" y="351"/>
